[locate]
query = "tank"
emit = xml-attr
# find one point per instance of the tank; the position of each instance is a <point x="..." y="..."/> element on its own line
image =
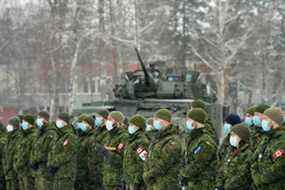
<point x="149" y="89"/>
<point x="153" y="83"/>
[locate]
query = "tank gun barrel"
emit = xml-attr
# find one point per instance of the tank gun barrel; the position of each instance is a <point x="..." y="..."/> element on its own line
<point x="146" y="74"/>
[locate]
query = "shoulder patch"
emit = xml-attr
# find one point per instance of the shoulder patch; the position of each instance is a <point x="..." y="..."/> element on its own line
<point x="120" y="147"/>
<point x="142" y="152"/>
<point x="277" y="154"/>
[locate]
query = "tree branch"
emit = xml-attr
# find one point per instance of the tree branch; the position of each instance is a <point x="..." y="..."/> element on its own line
<point x="201" y="58"/>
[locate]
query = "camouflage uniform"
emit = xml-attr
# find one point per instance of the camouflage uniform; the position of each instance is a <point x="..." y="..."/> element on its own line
<point x="269" y="157"/>
<point x="83" y="178"/>
<point x="22" y="155"/>
<point x="96" y="151"/>
<point x="234" y="171"/>
<point x="113" y="161"/>
<point x="200" y="154"/>
<point x="2" y="144"/>
<point x="63" y="156"/>
<point x="255" y="131"/>
<point x="135" y="155"/>
<point x="44" y="137"/>
<point x="11" y="179"/>
<point x="162" y="167"/>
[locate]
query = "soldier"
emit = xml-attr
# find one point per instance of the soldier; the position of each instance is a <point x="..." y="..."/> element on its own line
<point x="163" y="163"/>
<point x="135" y="154"/>
<point x="83" y="179"/>
<point x="44" y="137"/>
<point x="230" y="121"/>
<point x="150" y="130"/>
<point x="114" y="144"/>
<point x="253" y="121"/>
<point x="200" y="152"/>
<point x="100" y="132"/>
<point x="234" y="171"/>
<point x="96" y="149"/>
<point x="267" y="170"/>
<point x="2" y="144"/>
<point x="23" y="151"/>
<point x="63" y="155"/>
<point x="209" y="124"/>
<point x="13" y="133"/>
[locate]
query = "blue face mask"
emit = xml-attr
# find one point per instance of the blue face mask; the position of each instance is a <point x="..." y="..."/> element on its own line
<point x="25" y="125"/>
<point x="256" y="121"/>
<point x="98" y="122"/>
<point x="157" y="125"/>
<point x="82" y="126"/>
<point x="227" y="128"/>
<point x="40" y="122"/>
<point x="132" y="129"/>
<point x="189" y="125"/>
<point x="265" y="124"/>
<point x="248" y="121"/>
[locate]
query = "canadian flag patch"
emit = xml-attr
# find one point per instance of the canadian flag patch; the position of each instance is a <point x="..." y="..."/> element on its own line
<point x="279" y="153"/>
<point x="120" y="147"/>
<point x="66" y="142"/>
<point x="143" y="154"/>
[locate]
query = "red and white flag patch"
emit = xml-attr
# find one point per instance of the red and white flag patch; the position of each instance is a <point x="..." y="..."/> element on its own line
<point x="279" y="153"/>
<point x="143" y="154"/>
<point x="120" y="147"/>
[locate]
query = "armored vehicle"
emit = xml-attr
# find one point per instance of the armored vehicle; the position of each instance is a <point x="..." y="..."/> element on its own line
<point x="149" y="89"/>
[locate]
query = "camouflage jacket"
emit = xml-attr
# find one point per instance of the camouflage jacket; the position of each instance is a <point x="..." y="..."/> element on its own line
<point x="234" y="171"/>
<point x="162" y="167"/>
<point x="63" y="155"/>
<point x="113" y="160"/>
<point x="8" y="154"/>
<point x="255" y="137"/>
<point x="269" y="161"/>
<point x="95" y="158"/>
<point x="200" y="159"/>
<point x="100" y="135"/>
<point x="40" y="149"/>
<point x="210" y="128"/>
<point x="23" y="151"/>
<point x="2" y="145"/>
<point x="84" y="174"/>
<point x="134" y="157"/>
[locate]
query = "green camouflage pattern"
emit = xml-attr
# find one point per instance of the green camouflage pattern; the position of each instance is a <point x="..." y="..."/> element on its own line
<point x="200" y="159"/>
<point x="21" y="165"/>
<point x="234" y="171"/>
<point x="267" y="171"/>
<point x="162" y="168"/>
<point x="113" y="161"/>
<point x="96" y="157"/>
<point x="41" y="147"/>
<point x="133" y="163"/>
<point x="62" y="159"/>
<point x="8" y="158"/>
<point x="3" y="137"/>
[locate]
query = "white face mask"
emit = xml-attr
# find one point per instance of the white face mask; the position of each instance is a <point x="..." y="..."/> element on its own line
<point x="60" y="123"/>
<point x="234" y="140"/>
<point x="149" y="128"/>
<point x="109" y="125"/>
<point x="10" y="128"/>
